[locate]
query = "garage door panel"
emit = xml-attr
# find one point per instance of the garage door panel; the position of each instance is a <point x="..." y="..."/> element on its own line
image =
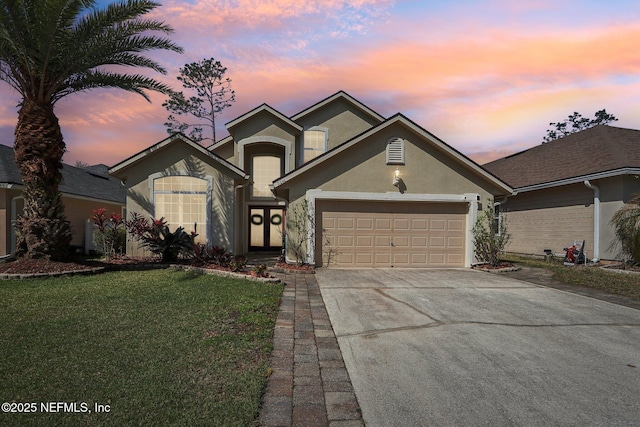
<point x="383" y="241"/>
<point x="378" y="234"/>
<point x="382" y="259"/>
<point x="418" y="242"/>
<point x="364" y="241"/>
<point x="346" y="223"/>
<point x="455" y="242"/>
<point x="437" y="224"/>
<point x="401" y="241"/>
<point x="455" y="224"/>
<point x="401" y="224"/>
<point x="383" y="224"/>
<point x="364" y="224"/>
<point x="345" y="241"/>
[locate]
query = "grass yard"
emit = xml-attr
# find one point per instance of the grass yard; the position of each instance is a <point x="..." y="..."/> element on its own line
<point x="616" y="283"/>
<point x="158" y="347"/>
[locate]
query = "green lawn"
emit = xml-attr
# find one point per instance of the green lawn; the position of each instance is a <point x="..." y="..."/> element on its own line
<point x="158" y="347"/>
<point x="616" y="283"/>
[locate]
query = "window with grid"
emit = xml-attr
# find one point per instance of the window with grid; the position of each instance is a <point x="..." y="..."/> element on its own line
<point x="182" y="202"/>
<point x="314" y="144"/>
<point x="265" y="170"/>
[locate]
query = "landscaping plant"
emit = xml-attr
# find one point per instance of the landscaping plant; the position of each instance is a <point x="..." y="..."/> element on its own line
<point x="627" y="226"/>
<point x="155" y="236"/>
<point x="110" y="235"/>
<point x="490" y="235"/>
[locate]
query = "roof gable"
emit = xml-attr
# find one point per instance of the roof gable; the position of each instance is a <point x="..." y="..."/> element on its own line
<point x="404" y="121"/>
<point x="261" y="109"/>
<point x="173" y="139"/>
<point x="338" y="95"/>
<point x="595" y="150"/>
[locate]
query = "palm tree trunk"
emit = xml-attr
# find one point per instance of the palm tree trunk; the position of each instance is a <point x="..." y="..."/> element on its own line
<point x="42" y="229"/>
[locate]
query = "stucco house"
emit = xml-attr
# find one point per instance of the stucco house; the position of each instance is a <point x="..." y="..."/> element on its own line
<point x="83" y="190"/>
<point x="569" y="189"/>
<point x="380" y="192"/>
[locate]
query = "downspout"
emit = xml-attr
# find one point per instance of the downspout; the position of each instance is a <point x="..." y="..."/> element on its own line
<point x="596" y="219"/>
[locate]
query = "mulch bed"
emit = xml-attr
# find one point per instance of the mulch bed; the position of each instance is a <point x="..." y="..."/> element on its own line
<point x="39" y="266"/>
<point x="45" y="266"/>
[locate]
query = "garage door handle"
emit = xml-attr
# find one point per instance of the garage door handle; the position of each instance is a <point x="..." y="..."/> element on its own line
<point x="393" y="244"/>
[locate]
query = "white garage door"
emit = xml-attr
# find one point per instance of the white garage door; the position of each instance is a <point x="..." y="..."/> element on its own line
<point x="384" y="234"/>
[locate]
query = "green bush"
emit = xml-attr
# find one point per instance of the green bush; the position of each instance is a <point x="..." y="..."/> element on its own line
<point x="627" y="225"/>
<point x="490" y="236"/>
<point x="161" y="241"/>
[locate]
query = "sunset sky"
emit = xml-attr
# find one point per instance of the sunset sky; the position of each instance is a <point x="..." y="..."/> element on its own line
<point x="487" y="77"/>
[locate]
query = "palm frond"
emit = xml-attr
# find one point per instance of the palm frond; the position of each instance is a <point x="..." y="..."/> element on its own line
<point x="103" y="79"/>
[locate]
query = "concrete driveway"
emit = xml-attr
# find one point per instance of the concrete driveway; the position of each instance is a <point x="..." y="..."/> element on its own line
<point x="461" y="347"/>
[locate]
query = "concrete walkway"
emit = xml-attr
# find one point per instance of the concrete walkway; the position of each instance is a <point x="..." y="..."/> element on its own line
<point x="309" y="385"/>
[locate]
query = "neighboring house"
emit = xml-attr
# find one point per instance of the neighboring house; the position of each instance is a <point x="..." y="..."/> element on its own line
<point x="83" y="190"/>
<point x="569" y="189"/>
<point x="380" y="192"/>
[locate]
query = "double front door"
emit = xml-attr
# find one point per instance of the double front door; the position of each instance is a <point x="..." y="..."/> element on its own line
<point x="266" y="226"/>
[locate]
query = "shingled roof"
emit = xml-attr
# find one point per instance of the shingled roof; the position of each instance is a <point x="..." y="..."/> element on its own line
<point x="595" y="150"/>
<point x="93" y="181"/>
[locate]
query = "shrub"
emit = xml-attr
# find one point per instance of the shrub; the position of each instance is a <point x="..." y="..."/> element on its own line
<point x="300" y="226"/>
<point x="626" y="222"/>
<point x="216" y="255"/>
<point x="490" y="235"/>
<point x="238" y="263"/>
<point x="110" y="236"/>
<point x="157" y="238"/>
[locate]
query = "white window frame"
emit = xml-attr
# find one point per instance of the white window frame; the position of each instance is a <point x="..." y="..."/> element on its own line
<point x="395" y="151"/>
<point x="209" y="179"/>
<point x="324" y="147"/>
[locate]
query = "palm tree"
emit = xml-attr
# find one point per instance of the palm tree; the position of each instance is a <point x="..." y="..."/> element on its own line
<point x="53" y="48"/>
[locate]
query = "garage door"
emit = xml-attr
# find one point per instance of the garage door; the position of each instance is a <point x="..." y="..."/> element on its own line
<point x="383" y="234"/>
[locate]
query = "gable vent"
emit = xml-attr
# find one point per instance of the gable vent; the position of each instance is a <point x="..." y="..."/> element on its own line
<point x="395" y="151"/>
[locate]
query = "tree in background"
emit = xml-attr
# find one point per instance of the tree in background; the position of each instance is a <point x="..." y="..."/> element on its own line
<point x="213" y="94"/>
<point x="575" y="123"/>
<point x="53" y="48"/>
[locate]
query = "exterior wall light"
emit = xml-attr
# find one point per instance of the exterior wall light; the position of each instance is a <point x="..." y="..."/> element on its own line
<point x="396" y="178"/>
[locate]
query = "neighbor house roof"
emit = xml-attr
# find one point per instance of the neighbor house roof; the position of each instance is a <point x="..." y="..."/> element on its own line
<point x="592" y="153"/>
<point x="397" y="118"/>
<point x="91" y="182"/>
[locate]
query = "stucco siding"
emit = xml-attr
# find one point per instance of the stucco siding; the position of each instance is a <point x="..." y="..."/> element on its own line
<point x="550" y="219"/>
<point x="343" y="120"/>
<point x="362" y="169"/>
<point x="180" y="159"/>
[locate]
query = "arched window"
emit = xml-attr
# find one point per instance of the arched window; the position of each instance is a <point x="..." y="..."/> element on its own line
<point x="182" y="202"/>
<point x="395" y="151"/>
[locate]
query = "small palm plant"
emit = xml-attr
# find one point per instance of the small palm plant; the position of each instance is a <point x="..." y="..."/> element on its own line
<point x="626" y="223"/>
<point x="162" y="241"/>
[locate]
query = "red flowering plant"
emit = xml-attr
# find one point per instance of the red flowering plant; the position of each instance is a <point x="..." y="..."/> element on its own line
<point x="110" y="235"/>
